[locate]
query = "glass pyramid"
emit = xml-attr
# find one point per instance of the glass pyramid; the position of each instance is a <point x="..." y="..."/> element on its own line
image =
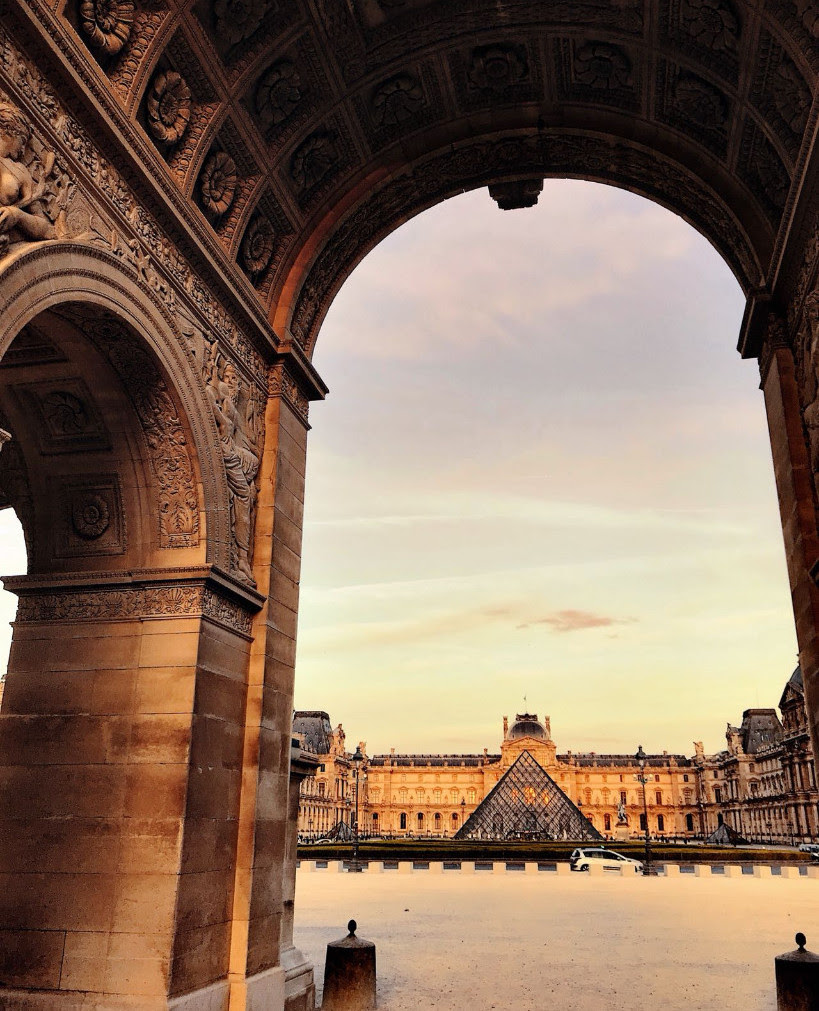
<point x="526" y="803"/>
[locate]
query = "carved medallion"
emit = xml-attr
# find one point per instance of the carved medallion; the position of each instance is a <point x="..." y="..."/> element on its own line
<point x="699" y="101"/>
<point x="257" y="246"/>
<point x="494" y="68"/>
<point x="713" y="23"/>
<point x="107" y="23"/>
<point x="218" y="183"/>
<point x="168" y="106"/>
<point x="313" y="160"/>
<point x="279" y="91"/>
<point x="90" y="516"/>
<point x="601" y="65"/>
<point x="236" y="20"/>
<point x="397" y="99"/>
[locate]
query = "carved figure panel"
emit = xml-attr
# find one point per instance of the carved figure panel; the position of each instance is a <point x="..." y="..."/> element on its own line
<point x="239" y="413"/>
<point x="90" y="507"/>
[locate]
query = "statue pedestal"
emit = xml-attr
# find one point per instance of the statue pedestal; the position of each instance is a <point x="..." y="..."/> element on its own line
<point x="621" y="833"/>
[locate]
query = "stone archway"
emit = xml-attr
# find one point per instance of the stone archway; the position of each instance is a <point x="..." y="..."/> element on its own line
<point x="206" y="174"/>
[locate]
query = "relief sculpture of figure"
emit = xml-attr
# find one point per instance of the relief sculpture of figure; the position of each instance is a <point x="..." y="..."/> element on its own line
<point x="241" y="462"/>
<point x="23" y="215"/>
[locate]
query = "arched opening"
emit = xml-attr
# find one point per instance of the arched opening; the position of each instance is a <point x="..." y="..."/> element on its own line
<point x="108" y="767"/>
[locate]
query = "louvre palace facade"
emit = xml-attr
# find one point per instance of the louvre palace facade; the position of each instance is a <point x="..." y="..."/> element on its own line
<point x="185" y="186"/>
<point x="762" y="786"/>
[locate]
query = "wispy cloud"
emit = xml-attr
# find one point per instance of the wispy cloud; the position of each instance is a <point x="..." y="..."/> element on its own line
<point x="572" y="620"/>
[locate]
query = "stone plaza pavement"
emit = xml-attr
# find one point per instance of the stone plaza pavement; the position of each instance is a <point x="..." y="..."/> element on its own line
<point x="570" y="943"/>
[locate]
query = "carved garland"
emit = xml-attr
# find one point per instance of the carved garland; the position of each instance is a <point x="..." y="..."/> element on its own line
<point x="171" y="601"/>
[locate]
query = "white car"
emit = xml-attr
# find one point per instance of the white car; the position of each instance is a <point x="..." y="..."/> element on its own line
<point x="608" y="859"/>
<point x="810" y="847"/>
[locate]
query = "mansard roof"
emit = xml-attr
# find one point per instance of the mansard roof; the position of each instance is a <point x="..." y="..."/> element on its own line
<point x="760" y="730"/>
<point x="315" y="725"/>
<point x="445" y="761"/>
<point x="794" y="689"/>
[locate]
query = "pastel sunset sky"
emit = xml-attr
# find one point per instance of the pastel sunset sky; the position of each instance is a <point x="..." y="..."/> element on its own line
<point x="542" y="471"/>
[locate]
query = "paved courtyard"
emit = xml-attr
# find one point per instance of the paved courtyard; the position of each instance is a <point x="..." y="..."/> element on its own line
<point x="577" y="943"/>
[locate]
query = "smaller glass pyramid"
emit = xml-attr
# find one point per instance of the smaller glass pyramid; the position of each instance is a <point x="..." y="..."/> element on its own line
<point x="526" y="803"/>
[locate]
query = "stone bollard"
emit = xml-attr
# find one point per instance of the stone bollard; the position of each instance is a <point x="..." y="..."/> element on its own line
<point x="349" y="974"/>
<point x="797" y="979"/>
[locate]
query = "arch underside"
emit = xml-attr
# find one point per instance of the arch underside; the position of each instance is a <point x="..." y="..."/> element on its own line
<point x="309" y="130"/>
<point x="521" y="156"/>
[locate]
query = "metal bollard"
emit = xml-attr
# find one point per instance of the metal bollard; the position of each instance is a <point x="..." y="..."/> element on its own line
<point x="349" y="974"/>
<point x="797" y="979"/>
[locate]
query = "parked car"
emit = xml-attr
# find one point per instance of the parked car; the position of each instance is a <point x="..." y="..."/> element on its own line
<point x="810" y="847"/>
<point x="582" y="858"/>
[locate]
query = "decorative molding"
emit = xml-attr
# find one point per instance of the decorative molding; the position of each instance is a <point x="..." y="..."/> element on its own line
<point x="118" y="603"/>
<point x="776" y="337"/>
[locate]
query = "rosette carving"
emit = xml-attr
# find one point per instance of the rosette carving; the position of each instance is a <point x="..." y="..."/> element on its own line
<point x="700" y="102"/>
<point x="496" y="67"/>
<point x="218" y="183"/>
<point x="237" y="20"/>
<point x="279" y="91"/>
<point x="313" y="160"/>
<point x="257" y="245"/>
<point x="107" y="23"/>
<point x="90" y="517"/>
<point x="713" y="23"/>
<point x="397" y="99"/>
<point x="601" y="65"/>
<point x="168" y="106"/>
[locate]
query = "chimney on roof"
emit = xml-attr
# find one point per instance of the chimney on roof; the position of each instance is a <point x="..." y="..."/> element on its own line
<point x="505" y="727"/>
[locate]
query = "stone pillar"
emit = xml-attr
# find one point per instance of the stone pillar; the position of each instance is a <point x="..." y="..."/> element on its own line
<point x="120" y="759"/>
<point x="257" y="978"/>
<point x="793" y="471"/>
<point x="299" y="987"/>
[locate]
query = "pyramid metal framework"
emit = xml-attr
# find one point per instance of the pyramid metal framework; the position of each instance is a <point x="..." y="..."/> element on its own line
<point x="527" y="803"/>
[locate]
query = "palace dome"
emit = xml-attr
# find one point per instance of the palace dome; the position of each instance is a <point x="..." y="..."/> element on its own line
<point x="527" y="725"/>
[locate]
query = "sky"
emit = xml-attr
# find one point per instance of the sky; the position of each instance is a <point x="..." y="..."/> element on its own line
<point x="541" y="481"/>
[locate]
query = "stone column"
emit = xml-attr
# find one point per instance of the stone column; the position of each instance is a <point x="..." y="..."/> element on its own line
<point x="119" y="784"/>
<point x="257" y="978"/>
<point x="795" y="485"/>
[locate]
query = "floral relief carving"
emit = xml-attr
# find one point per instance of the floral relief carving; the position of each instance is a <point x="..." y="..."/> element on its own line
<point x="493" y="68"/>
<point x="713" y="23"/>
<point x="791" y="97"/>
<point x="107" y="23"/>
<point x="314" y="159"/>
<point x="90" y="516"/>
<point x="279" y="91"/>
<point x="164" y="434"/>
<point x="808" y="11"/>
<point x="397" y="99"/>
<point x="700" y="102"/>
<point x="601" y="65"/>
<point x="170" y="601"/>
<point x="168" y="106"/>
<point x="237" y="20"/>
<point x="218" y="183"/>
<point x="257" y="246"/>
<point x="282" y="384"/>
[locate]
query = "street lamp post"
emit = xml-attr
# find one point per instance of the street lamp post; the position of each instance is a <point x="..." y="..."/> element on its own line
<point x="640" y="758"/>
<point x="463" y="811"/>
<point x="358" y="758"/>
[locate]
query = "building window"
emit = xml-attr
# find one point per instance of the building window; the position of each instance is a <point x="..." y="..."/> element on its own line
<point x="689" y="822"/>
<point x="658" y="797"/>
<point x="642" y="823"/>
<point x="437" y="821"/>
<point x="403" y="821"/>
<point x="719" y="820"/>
<point x="622" y="796"/>
<point x="656" y="779"/>
<point x="375" y="819"/>
<point x="607" y="822"/>
<point x="718" y="795"/>
<point x="685" y="777"/>
<point x="420" y="819"/>
<point x="660" y="823"/>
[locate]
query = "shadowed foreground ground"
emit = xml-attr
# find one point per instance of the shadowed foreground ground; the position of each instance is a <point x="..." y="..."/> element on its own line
<point x="577" y="943"/>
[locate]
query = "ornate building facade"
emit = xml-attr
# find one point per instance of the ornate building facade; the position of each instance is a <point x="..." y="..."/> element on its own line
<point x="325" y="799"/>
<point x="762" y="787"/>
